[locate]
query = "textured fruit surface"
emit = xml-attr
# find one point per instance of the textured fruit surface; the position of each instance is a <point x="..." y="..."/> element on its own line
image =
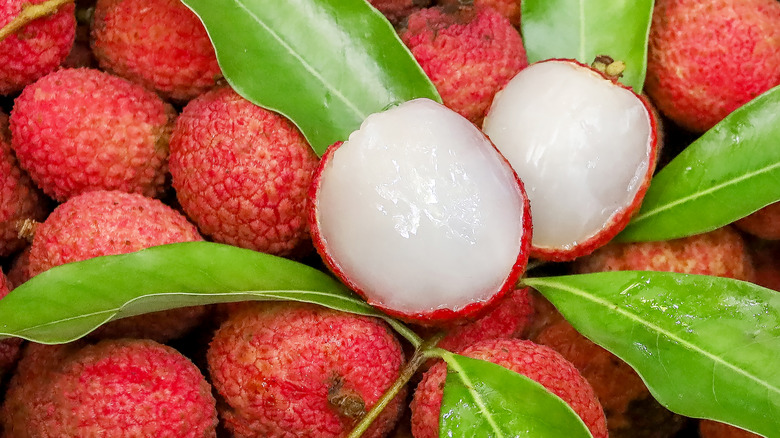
<point x="713" y="429"/>
<point x="468" y="53"/>
<point x="77" y="130"/>
<point x="121" y="388"/>
<point x="397" y="10"/>
<point x="302" y="370"/>
<point x="9" y="348"/>
<point x="242" y="173"/>
<point x="764" y="223"/>
<point x="37" y="49"/>
<point x="508" y="8"/>
<point x="534" y="361"/>
<point x="159" y="44"/>
<point x="706" y="59"/>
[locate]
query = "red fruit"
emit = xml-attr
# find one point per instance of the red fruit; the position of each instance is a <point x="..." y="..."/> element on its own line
<point x="585" y="147"/>
<point x="508" y="8"/>
<point x="160" y="44"/>
<point x="764" y="223"/>
<point x="77" y="130"/>
<point x="397" y="10"/>
<point x="287" y="369"/>
<point x="713" y="429"/>
<point x="118" y="388"/>
<point x="765" y="255"/>
<point x="9" y="348"/>
<point x="469" y="54"/>
<point x="35" y="50"/>
<point x="534" y="361"/>
<point x="706" y="59"/>
<point x="420" y="215"/>
<point x="242" y="173"/>
<point x="18" y="273"/>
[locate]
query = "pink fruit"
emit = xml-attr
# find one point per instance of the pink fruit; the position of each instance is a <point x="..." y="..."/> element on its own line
<point x="9" y="348"/>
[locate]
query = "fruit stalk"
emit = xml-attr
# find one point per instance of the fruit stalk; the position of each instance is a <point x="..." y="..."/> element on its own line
<point x="30" y="13"/>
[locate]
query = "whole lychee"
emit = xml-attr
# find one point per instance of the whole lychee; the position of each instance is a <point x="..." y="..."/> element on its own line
<point x="35" y="50"/>
<point x="77" y="130"/>
<point x="9" y="348"/>
<point x="160" y="44"/>
<point x="242" y="173"/>
<point x="714" y="429"/>
<point x="706" y="59"/>
<point x="764" y="223"/>
<point x="534" y="361"/>
<point x="121" y="388"/>
<point x="398" y="10"/>
<point x="468" y="53"/>
<point x="287" y="369"/>
<point x="508" y="8"/>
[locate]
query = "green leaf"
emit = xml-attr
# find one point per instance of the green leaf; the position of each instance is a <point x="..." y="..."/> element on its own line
<point x="487" y="400"/>
<point x="69" y="301"/>
<point x="324" y="64"/>
<point x="729" y="172"/>
<point x="584" y="29"/>
<point x="706" y="347"/>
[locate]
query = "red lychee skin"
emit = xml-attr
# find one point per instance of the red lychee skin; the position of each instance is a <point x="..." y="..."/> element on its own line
<point x="35" y="50"/>
<point x="721" y="253"/>
<point x="282" y="369"/>
<point x="160" y="44"/>
<point x="508" y="8"/>
<point x="469" y="55"/>
<point x="18" y="273"/>
<point x="442" y="317"/>
<point x="765" y="255"/>
<point x="706" y="59"/>
<point x="242" y="173"/>
<point x="100" y="223"/>
<point x="19" y="198"/>
<point x="77" y="130"/>
<point x="397" y="10"/>
<point x="122" y="388"/>
<point x="713" y="429"/>
<point x="9" y="348"/>
<point x="764" y="223"/>
<point x="536" y="362"/>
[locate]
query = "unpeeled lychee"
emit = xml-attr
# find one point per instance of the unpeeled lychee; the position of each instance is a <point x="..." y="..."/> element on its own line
<point x="242" y="173"/>
<point x="713" y="429"/>
<point x="77" y="130"/>
<point x="706" y="59"/>
<point x="397" y="10"/>
<point x="287" y="369"/>
<point x="9" y="348"/>
<point x="508" y="8"/>
<point x="764" y="223"/>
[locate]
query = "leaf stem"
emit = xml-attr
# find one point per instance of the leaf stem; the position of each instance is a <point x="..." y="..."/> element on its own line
<point x="30" y="13"/>
<point x="406" y="332"/>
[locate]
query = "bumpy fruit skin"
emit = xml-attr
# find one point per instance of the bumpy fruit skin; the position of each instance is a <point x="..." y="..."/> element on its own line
<point x="534" y="361"/>
<point x="713" y="429"/>
<point x="397" y="10"/>
<point x="706" y="59"/>
<point x="9" y="348"/>
<point x="18" y="273"/>
<point x="19" y="198"/>
<point x="77" y="130"/>
<point x="469" y="54"/>
<point x="287" y="369"/>
<point x="35" y="50"/>
<point x="117" y="388"/>
<point x="242" y="173"/>
<point x="508" y="8"/>
<point x="764" y="223"/>
<point x="160" y="44"/>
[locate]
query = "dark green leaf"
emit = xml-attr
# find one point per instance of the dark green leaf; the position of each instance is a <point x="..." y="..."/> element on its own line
<point x="584" y="29"/>
<point x="706" y="347"/>
<point x="69" y="301"/>
<point x="729" y="172"/>
<point x="325" y="64"/>
<point x="482" y="399"/>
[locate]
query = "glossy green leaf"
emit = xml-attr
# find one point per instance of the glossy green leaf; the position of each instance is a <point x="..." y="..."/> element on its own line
<point x="706" y="347"/>
<point x="487" y="400"/>
<point x="584" y="29"/>
<point x="325" y="64"/>
<point x="69" y="301"/>
<point x="729" y="172"/>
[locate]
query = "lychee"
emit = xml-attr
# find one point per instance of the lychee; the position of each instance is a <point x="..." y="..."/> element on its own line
<point x="397" y="10"/>
<point x="706" y="59"/>
<point x="714" y="429"/>
<point x="160" y="44"/>
<point x="534" y="361"/>
<point x="287" y="369"/>
<point x="36" y="49"/>
<point x="764" y="223"/>
<point x="508" y="8"/>
<point x="9" y="348"/>
<point x="468" y="53"/>
<point x="585" y="147"/>
<point x="122" y="388"/>
<point x="76" y="130"/>
<point x="420" y="214"/>
<point x="242" y="173"/>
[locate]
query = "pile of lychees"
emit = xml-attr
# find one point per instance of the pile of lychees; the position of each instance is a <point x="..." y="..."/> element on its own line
<point x="118" y="132"/>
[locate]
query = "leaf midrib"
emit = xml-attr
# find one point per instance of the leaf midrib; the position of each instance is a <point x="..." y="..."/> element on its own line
<point x="469" y="385"/>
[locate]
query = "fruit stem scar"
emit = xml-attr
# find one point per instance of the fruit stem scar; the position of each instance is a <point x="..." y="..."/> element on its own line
<point x="30" y="13"/>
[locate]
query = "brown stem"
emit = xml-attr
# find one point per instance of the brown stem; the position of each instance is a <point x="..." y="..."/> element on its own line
<point x="25" y="229"/>
<point x="31" y="13"/>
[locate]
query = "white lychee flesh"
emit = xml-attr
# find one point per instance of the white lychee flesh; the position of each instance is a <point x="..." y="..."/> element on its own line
<point x="581" y="144"/>
<point x="419" y="212"/>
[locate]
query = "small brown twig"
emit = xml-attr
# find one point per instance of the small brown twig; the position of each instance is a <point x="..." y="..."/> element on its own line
<point x="30" y="13"/>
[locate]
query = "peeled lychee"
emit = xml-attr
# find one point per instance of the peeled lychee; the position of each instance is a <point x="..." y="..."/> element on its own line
<point x="160" y="44"/>
<point x="420" y="214"/>
<point x="77" y="130"/>
<point x="242" y="173"/>
<point x="287" y="369"/>
<point x="707" y="58"/>
<point x="534" y="361"/>
<point x="585" y="148"/>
